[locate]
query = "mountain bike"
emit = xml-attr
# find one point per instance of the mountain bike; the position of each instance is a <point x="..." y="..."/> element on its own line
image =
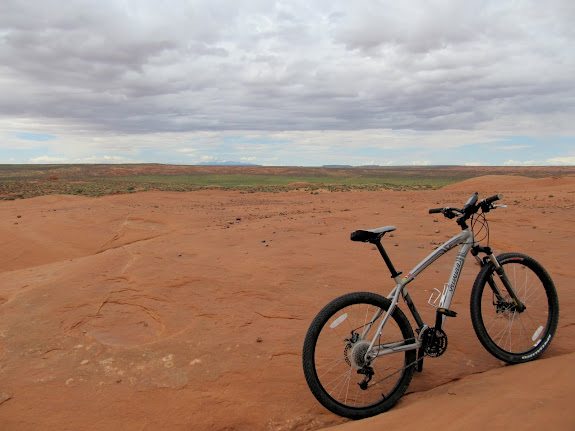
<point x="360" y="352"/>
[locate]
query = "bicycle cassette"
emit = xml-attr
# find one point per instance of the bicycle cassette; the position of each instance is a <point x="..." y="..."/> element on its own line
<point x="435" y="342"/>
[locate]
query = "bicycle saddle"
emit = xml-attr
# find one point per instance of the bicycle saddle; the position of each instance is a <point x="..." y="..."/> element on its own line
<point x="371" y="235"/>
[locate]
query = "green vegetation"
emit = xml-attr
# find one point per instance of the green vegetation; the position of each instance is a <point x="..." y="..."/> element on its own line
<point x="24" y="181"/>
<point x="233" y="180"/>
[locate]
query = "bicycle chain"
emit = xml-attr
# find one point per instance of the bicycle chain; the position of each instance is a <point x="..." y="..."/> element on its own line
<point x="402" y="369"/>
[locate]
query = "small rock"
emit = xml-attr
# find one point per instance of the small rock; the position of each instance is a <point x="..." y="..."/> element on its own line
<point x="436" y="230"/>
<point x="19" y="216"/>
<point x="259" y="340"/>
<point x="435" y="220"/>
<point x="391" y="235"/>
<point x="4" y="396"/>
<point x="551" y="196"/>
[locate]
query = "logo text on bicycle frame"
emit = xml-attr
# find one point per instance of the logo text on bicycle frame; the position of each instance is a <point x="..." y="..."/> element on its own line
<point x="456" y="272"/>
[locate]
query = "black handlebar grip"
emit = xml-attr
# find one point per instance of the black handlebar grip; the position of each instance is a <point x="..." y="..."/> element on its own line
<point x="493" y="198"/>
<point x="435" y="210"/>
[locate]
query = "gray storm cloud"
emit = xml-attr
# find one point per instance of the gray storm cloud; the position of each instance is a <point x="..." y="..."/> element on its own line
<point x="139" y="67"/>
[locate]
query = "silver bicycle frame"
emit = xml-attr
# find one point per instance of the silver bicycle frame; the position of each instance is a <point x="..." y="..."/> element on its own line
<point x="466" y="240"/>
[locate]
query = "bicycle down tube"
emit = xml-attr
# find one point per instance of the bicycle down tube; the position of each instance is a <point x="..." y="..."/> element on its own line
<point x="466" y="240"/>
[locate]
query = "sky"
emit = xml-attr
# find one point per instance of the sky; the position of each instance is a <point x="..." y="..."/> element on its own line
<point x="305" y="83"/>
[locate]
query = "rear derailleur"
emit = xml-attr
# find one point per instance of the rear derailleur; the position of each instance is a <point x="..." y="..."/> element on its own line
<point x="368" y="372"/>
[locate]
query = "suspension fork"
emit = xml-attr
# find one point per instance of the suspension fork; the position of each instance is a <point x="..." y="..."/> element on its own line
<point x="505" y="280"/>
<point x="502" y="276"/>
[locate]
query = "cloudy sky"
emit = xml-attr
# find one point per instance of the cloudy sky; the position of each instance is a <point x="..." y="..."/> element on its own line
<point x="288" y="82"/>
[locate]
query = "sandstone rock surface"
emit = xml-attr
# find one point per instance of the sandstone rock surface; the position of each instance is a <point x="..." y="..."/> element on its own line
<point x="187" y="311"/>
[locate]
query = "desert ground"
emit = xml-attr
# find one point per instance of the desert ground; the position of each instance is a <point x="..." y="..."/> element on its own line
<point x="187" y="310"/>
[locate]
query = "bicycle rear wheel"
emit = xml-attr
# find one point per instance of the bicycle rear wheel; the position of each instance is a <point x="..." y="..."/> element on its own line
<point x="508" y="334"/>
<point x="334" y="351"/>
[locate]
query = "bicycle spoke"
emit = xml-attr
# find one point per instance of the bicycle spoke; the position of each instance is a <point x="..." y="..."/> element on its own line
<point x="511" y="330"/>
<point x="340" y="350"/>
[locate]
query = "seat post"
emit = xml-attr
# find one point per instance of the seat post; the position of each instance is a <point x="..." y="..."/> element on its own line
<point x="383" y="253"/>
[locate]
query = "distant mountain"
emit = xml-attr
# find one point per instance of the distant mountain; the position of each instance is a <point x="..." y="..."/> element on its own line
<point x="337" y="166"/>
<point x="227" y="163"/>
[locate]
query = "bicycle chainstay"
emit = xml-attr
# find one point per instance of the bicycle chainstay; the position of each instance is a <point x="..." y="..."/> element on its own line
<point x="425" y="353"/>
<point x="392" y="374"/>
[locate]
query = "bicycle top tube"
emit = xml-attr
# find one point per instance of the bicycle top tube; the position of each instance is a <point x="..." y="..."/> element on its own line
<point x="466" y="236"/>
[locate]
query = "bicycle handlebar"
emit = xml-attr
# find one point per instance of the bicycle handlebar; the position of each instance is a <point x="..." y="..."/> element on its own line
<point x="492" y="198"/>
<point x="469" y="209"/>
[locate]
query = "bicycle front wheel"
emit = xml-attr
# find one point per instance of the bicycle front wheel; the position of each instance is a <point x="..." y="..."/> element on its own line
<point x="334" y="356"/>
<point x="509" y="334"/>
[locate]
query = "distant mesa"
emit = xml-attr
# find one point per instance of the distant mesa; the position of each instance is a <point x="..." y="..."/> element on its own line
<point x="337" y="166"/>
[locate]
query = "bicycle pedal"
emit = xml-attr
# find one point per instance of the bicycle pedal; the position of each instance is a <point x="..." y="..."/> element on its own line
<point x="446" y="312"/>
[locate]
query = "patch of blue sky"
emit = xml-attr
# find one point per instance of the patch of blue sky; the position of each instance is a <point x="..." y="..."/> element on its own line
<point x="40" y="137"/>
<point x="369" y="152"/>
<point x="539" y="149"/>
<point x="17" y="156"/>
<point x="157" y="155"/>
<point x="515" y="143"/>
<point x="470" y="154"/>
<point x="360" y="156"/>
<point x="238" y="147"/>
<point x="562" y="144"/>
<point x="562" y="140"/>
<point x="516" y="149"/>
